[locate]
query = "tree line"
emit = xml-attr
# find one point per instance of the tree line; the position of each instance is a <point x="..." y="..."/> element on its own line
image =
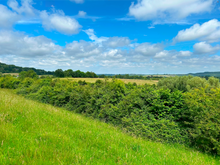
<point x="71" y="73"/>
<point x="4" y="68"/>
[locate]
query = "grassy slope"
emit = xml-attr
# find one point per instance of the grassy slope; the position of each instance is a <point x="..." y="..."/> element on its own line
<point x="93" y="80"/>
<point x="35" y="133"/>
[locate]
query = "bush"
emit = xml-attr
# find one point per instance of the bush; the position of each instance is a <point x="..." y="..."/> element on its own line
<point x="9" y="82"/>
<point x="187" y="83"/>
<point x="203" y="118"/>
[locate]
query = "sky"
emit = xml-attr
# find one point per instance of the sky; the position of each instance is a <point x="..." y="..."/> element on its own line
<point x="112" y="36"/>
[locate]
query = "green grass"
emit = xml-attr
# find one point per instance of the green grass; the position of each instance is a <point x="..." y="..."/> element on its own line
<point x="35" y="133"/>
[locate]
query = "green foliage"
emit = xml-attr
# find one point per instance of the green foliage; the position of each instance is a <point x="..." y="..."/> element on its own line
<point x="71" y="73"/>
<point x="187" y="83"/>
<point x="35" y="133"/>
<point x="80" y="82"/>
<point x="9" y="82"/>
<point x="164" y="114"/>
<point x="4" y="68"/>
<point x="25" y="74"/>
<point x="59" y="73"/>
<point x="203" y="118"/>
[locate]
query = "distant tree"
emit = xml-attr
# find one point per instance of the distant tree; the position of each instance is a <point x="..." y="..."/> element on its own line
<point x="30" y="73"/>
<point x="91" y="74"/>
<point x="78" y="73"/>
<point x="59" y="73"/>
<point x="4" y="68"/>
<point x="68" y="73"/>
<point x="22" y="74"/>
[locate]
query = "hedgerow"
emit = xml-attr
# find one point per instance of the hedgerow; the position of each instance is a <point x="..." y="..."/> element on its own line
<point x="185" y="110"/>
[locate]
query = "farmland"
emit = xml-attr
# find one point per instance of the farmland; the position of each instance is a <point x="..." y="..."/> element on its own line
<point x="93" y="80"/>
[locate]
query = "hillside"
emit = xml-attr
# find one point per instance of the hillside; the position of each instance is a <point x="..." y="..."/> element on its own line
<point x="35" y="133"/>
<point x="4" y="68"/>
<point x="206" y="74"/>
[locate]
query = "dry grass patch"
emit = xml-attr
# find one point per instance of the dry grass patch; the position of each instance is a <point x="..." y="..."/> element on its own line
<point x="93" y="80"/>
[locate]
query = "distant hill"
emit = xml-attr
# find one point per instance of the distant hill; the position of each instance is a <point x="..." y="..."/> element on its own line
<point x="206" y="74"/>
<point x="5" y="68"/>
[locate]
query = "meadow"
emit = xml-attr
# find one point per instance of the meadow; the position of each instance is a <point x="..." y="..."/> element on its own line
<point x="37" y="133"/>
<point x="93" y="80"/>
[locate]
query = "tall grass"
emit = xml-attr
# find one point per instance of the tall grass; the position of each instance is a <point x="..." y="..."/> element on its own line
<point x="35" y="133"/>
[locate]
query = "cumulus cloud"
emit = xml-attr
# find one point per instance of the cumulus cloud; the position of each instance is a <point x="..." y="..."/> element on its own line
<point x="208" y="31"/>
<point x="114" y="42"/>
<point x="17" y="14"/>
<point x="82" y="49"/>
<point x="26" y="46"/>
<point x="185" y="53"/>
<point x="42" y="52"/>
<point x="172" y="55"/>
<point x="148" y="49"/>
<point x="58" y="21"/>
<point x="162" y="54"/>
<point x="77" y="1"/>
<point x="7" y="17"/>
<point x="26" y="13"/>
<point x="26" y="7"/>
<point x="168" y="9"/>
<point x="205" y="48"/>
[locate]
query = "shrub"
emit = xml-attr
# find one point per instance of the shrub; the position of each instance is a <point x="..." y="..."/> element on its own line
<point x="187" y="83"/>
<point x="203" y="118"/>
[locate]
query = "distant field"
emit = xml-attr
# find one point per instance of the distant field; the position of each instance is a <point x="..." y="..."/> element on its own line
<point x="13" y="74"/>
<point x="93" y="80"/>
<point x="161" y="75"/>
<point x="35" y="133"/>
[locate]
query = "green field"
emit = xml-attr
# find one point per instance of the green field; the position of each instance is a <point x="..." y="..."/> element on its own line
<point x="93" y="80"/>
<point x="35" y="133"/>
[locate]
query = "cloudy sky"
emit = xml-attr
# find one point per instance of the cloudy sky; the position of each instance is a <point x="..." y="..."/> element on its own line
<point x="112" y="36"/>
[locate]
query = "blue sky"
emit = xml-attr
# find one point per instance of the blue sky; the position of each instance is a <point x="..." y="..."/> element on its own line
<point x="112" y="36"/>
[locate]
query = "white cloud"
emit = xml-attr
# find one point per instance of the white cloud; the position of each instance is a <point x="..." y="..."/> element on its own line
<point x="168" y="9"/>
<point x="7" y="17"/>
<point x="205" y="48"/>
<point x="41" y="52"/>
<point x="114" y="42"/>
<point x="208" y="31"/>
<point x="82" y="49"/>
<point x="148" y="49"/>
<point x="184" y="53"/>
<point x="93" y="37"/>
<point x="58" y="21"/>
<point x="26" y="13"/>
<point x="26" y="7"/>
<point x="77" y="1"/>
<point x="110" y="42"/>
<point x="172" y="55"/>
<point x="15" y="43"/>
<point x="82" y="14"/>
<point x="162" y="54"/>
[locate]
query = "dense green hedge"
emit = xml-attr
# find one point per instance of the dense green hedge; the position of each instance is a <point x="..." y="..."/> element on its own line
<point x="187" y="113"/>
<point x="186" y="83"/>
